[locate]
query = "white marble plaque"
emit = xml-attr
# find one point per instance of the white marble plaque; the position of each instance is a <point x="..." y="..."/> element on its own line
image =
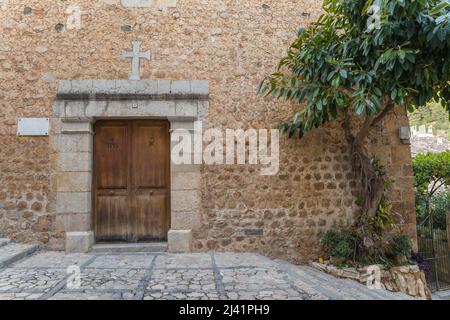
<point x="32" y="127"/>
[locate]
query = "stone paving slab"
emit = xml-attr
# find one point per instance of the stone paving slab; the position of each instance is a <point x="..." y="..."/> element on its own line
<point x="113" y="279"/>
<point x="29" y="280"/>
<point x="233" y="260"/>
<point x="53" y="259"/>
<point x="189" y="260"/>
<point x="125" y="261"/>
<point x="154" y="276"/>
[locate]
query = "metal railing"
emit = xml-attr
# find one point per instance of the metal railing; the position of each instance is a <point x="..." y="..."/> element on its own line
<point x="435" y="248"/>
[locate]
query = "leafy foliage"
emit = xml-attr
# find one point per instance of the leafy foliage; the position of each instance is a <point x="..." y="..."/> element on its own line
<point x="439" y="208"/>
<point x="338" y="65"/>
<point x="431" y="172"/>
<point x="432" y="180"/>
<point x="400" y="246"/>
<point x="340" y="244"/>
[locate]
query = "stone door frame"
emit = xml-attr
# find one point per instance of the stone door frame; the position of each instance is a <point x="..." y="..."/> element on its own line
<point x="79" y="103"/>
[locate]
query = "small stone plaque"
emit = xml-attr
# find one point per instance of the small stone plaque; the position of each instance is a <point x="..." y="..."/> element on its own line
<point x="253" y="232"/>
<point x="32" y="127"/>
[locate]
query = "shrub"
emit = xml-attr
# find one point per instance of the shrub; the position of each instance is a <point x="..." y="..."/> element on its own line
<point x="340" y="244"/>
<point x="399" y="248"/>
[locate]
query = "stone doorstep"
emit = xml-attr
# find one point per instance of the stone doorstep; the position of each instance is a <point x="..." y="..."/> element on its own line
<point x="129" y="247"/>
<point x="14" y="252"/>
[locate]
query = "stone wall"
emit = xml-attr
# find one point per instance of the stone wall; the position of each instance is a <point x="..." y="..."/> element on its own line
<point x="232" y="44"/>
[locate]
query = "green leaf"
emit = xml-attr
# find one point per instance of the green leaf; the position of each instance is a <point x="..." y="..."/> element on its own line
<point x="343" y="73"/>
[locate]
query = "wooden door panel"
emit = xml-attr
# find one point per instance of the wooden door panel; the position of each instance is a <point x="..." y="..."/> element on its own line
<point x="112" y="221"/>
<point x="150" y="155"/>
<point x="150" y="179"/>
<point x="151" y="217"/>
<point x="112" y="155"/>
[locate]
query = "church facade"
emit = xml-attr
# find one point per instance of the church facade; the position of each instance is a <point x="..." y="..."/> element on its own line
<point x="99" y="97"/>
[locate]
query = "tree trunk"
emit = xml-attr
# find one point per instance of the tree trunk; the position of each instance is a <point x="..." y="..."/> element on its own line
<point x="372" y="183"/>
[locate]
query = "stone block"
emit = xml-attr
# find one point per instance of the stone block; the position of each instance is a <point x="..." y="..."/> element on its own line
<point x="103" y="86"/>
<point x="96" y="108"/>
<point x="182" y="125"/>
<point x="76" y="127"/>
<point x="75" y="161"/>
<point x="73" y="181"/>
<point x="79" y="242"/>
<point x="179" y="241"/>
<point x="59" y="108"/>
<point x="125" y="87"/>
<point x="146" y="87"/>
<point x="64" y="86"/>
<point x="180" y="87"/>
<point x="186" y="180"/>
<point x="70" y="222"/>
<point x="75" y="109"/>
<point x="163" y="86"/>
<point x="185" y="200"/>
<point x="75" y="143"/>
<point x="81" y="87"/>
<point x="202" y="108"/>
<point x="147" y="108"/>
<point x="186" y="109"/>
<point x="200" y="87"/>
<point x="185" y="167"/>
<point x="181" y="220"/>
<point x="73" y="202"/>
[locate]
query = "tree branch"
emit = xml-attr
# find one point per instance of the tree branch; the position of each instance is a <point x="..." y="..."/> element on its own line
<point x="382" y="114"/>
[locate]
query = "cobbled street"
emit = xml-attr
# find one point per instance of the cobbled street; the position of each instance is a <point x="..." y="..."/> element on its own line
<point x="149" y="276"/>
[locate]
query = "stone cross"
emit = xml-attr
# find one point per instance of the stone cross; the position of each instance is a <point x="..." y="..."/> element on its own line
<point x="136" y="55"/>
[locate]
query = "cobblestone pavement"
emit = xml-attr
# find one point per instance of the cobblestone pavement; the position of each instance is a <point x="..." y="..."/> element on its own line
<point x="148" y="276"/>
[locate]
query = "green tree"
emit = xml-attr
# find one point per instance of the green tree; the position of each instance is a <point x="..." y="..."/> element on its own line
<point x="431" y="174"/>
<point x="351" y="65"/>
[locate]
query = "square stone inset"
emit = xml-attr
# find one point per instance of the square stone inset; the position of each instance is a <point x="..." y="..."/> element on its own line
<point x="183" y="261"/>
<point x="128" y="261"/>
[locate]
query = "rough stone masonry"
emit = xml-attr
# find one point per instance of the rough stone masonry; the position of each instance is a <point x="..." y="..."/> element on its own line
<point x="232" y="45"/>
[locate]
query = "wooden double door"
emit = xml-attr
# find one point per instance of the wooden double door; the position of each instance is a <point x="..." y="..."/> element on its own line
<point x="131" y="180"/>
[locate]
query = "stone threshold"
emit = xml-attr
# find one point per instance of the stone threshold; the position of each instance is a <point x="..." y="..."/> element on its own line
<point x="129" y="247"/>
